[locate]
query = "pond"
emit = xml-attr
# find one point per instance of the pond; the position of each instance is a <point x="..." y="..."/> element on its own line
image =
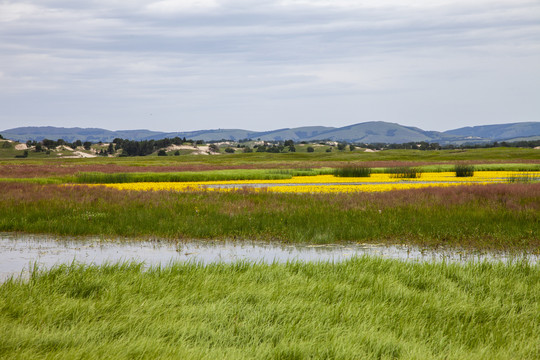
<point x="18" y="252"/>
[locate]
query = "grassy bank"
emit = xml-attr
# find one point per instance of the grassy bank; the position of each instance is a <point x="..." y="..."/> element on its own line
<point x="365" y="308"/>
<point x="501" y="216"/>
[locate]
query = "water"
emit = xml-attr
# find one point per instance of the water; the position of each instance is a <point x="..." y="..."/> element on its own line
<point x="19" y="252"/>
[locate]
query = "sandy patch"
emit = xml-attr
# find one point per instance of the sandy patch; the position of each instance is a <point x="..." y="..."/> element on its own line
<point x="370" y="150"/>
<point x="79" y="155"/>
<point x="63" y="147"/>
<point x="21" y="147"/>
<point x="195" y="150"/>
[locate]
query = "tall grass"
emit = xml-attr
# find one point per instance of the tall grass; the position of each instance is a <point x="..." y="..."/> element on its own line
<point x="107" y="178"/>
<point x="366" y="308"/>
<point x="501" y="216"/>
<point x="353" y="171"/>
<point x="404" y="172"/>
<point x="464" y="170"/>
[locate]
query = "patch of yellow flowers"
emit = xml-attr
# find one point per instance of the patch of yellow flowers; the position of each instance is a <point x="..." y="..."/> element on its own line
<point x="327" y="183"/>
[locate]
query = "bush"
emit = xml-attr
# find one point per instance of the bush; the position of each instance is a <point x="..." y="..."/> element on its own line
<point x="162" y="153"/>
<point x="229" y="150"/>
<point x="310" y="149"/>
<point x="462" y="170"/>
<point x="404" y="172"/>
<point x="353" y="171"/>
<point x="177" y="152"/>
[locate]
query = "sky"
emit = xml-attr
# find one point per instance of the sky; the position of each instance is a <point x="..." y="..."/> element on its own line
<point x="206" y="64"/>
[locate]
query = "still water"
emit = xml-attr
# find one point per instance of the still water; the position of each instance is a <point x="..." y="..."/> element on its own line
<point x="19" y="252"/>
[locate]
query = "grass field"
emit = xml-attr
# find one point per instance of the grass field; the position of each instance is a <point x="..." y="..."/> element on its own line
<point x="365" y="308"/>
<point x="499" y="216"/>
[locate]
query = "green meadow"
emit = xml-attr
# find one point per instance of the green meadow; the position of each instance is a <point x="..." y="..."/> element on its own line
<point x="364" y="308"/>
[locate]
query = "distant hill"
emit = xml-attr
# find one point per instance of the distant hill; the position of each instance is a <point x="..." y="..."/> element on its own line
<point x="499" y="132"/>
<point x="367" y="132"/>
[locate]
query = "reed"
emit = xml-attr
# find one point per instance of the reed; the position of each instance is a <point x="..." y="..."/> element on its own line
<point x="353" y="171"/>
<point x="404" y="172"/>
<point x="464" y="170"/>
<point x="110" y="178"/>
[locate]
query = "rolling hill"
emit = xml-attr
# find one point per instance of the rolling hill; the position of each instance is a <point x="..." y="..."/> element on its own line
<point x="367" y="132"/>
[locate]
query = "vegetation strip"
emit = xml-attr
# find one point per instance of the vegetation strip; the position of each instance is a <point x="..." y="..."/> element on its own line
<point x="365" y="308"/>
<point x="498" y="216"/>
<point x="331" y="183"/>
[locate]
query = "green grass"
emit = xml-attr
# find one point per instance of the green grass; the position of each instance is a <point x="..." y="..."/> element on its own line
<point x="404" y="172"/>
<point x="503" y="216"/>
<point x="463" y="170"/>
<point x="365" y="308"/>
<point x="494" y="154"/>
<point x="353" y="171"/>
<point x="217" y="175"/>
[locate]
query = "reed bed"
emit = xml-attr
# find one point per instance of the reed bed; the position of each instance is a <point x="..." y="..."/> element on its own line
<point x="404" y="172"/>
<point x="463" y="170"/>
<point x="353" y="171"/>
<point x="108" y="178"/>
<point x="497" y="216"/>
<point x="365" y="308"/>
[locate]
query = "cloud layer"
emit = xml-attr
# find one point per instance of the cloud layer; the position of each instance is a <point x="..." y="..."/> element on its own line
<point x="190" y="64"/>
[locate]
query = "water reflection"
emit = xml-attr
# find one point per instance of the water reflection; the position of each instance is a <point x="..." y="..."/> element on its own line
<point x="18" y="252"/>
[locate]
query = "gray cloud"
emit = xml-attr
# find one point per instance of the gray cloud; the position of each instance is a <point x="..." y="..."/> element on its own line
<point x="210" y="63"/>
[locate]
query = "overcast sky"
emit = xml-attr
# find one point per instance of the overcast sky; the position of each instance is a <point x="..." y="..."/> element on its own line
<point x="259" y="65"/>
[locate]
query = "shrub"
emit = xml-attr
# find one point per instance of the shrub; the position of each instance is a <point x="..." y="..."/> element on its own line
<point x="162" y="153"/>
<point x="404" y="172"/>
<point x="462" y="170"/>
<point x="353" y="171"/>
<point x="310" y="149"/>
<point x="229" y="150"/>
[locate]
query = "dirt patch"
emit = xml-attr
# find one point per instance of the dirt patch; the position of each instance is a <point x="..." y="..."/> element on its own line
<point x="21" y="147"/>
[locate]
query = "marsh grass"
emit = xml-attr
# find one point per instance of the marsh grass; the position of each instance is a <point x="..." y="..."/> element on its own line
<point x="498" y="216"/>
<point x="404" y="172"/>
<point x="464" y="170"/>
<point x="365" y="308"/>
<point x="108" y="178"/>
<point x="353" y="171"/>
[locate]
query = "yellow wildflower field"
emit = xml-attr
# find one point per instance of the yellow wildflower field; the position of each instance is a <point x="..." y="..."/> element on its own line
<point x="329" y="183"/>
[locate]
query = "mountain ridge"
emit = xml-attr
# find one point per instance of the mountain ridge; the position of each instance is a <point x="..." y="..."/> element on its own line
<point x="365" y="132"/>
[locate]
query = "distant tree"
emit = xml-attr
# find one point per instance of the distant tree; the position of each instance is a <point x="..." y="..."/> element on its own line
<point x="292" y="148"/>
<point x="38" y="148"/>
<point x="77" y="143"/>
<point x="86" y="145"/>
<point x="177" y="152"/>
<point x="329" y="149"/>
<point x="310" y="149"/>
<point x="352" y="147"/>
<point x="162" y="152"/>
<point x="110" y="150"/>
<point x="213" y="148"/>
<point x="341" y="146"/>
<point x="48" y="143"/>
<point x="247" y="149"/>
<point x="288" y="143"/>
<point x="229" y="150"/>
<point x="1" y="137"/>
